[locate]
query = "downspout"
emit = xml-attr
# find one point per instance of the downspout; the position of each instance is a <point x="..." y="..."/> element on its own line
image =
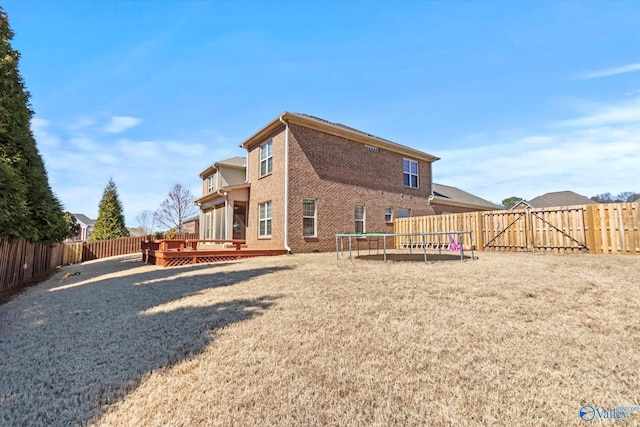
<point x="286" y="185"/>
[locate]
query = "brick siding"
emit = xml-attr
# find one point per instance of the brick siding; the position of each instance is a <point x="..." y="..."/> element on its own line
<point x="339" y="174"/>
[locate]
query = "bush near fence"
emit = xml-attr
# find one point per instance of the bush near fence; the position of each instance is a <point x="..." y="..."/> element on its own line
<point x="607" y="228"/>
<point x="22" y="262"/>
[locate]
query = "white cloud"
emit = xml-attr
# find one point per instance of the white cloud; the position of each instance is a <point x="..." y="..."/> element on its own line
<point x="119" y="124"/>
<point x="142" y="149"/>
<point x="85" y="144"/>
<point x="587" y="161"/>
<point x="627" y="112"/>
<point x="612" y="71"/>
<point x="82" y="122"/>
<point x="42" y="136"/>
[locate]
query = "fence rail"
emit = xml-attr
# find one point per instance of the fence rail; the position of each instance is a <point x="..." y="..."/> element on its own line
<point x="608" y="228"/>
<point x="23" y="262"/>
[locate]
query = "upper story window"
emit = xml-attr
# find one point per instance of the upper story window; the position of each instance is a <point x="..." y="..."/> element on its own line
<point x="211" y="183"/>
<point x="410" y="174"/>
<point x="266" y="158"/>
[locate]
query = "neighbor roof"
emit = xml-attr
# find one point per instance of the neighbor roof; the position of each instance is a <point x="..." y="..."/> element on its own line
<point x="559" y="198"/>
<point x="84" y="219"/>
<point x="448" y="195"/>
<point x="337" y="129"/>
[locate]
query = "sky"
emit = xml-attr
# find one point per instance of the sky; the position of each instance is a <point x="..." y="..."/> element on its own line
<point x="516" y="98"/>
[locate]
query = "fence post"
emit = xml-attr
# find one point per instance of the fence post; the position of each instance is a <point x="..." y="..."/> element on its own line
<point x="590" y="227"/>
<point x="479" y="235"/>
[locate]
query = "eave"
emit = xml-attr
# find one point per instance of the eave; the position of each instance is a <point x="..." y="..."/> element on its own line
<point x="332" y="129"/>
<point x="437" y="200"/>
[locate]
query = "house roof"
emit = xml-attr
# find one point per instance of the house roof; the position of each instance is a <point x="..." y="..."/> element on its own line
<point x="84" y="219"/>
<point x="636" y="200"/>
<point x="337" y="129"/>
<point x="233" y="162"/>
<point x="448" y="195"/>
<point x="559" y="198"/>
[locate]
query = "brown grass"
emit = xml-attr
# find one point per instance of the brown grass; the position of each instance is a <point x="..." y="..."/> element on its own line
<point x="508" y="339"/>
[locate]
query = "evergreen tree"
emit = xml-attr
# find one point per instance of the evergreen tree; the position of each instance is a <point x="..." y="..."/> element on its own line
<point x="73" y="226"/>
<point x="110" y="222"/>
<point x="510" y="202"/>
<point x="28" y="207"/>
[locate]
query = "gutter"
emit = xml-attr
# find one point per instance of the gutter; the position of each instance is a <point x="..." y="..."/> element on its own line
<point x="286" y="184"/>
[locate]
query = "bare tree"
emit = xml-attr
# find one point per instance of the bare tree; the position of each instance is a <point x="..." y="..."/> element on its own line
<point x="176" y="208"/>
<point x="146" y="222"/>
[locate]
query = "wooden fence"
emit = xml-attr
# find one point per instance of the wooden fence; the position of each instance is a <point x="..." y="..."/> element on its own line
<point x="23" y="262"/>
<point x="611" y="228"/>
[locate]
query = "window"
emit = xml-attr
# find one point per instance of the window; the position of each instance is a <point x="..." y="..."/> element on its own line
<point x="404" y="213"/>
<point x="360" y="219"/>
<point x="388" y="214"/>
<point x="266" y="158"/>
<point x="207" y="224"/>
<point x="309" y="218"/>
<point x="211" y="183"/>
<point x="264" y="219"/>
<point x="410" y="173"/>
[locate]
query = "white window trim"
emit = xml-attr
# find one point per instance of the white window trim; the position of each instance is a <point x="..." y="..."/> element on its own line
<point x="363" y="220"/>
<point x="211" y="187"/>
<point x="417" y="174"/>
<point x="266" y="159"/>
<point x="265" y="219"/>
<point x="314" y="217"/>
<point x="390" y="214"/>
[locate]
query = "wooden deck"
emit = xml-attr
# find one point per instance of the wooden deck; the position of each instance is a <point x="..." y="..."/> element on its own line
<point x="172" y="253"/>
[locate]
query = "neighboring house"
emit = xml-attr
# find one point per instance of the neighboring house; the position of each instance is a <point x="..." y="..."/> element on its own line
<point x="191" y="225"/>
<point x="86" y="227"/>
<point x="636" y="200"/>
<point x="447" y="199"/>
<point x="558" y="198"/>
<point x="310" y="179"/>
<point x="224" y="201"/>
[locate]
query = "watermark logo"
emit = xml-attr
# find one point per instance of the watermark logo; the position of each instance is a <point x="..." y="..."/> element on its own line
<point x="588" y="413"/>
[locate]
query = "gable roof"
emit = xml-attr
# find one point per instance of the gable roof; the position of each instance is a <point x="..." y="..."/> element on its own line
<point x="636" y="200"/>
<point x="84" y="219"/>
<point x="452" y="196"/>
<point x="336" y="129"/>
<point x="232" y="162"/>
<point x="236" y="162"/>
<point x="559" y="198"/>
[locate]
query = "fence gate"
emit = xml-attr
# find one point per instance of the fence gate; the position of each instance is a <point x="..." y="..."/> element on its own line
<point x="553" y="230"/>
<point x="506" y="231"/>
<point x="558" y="230"/>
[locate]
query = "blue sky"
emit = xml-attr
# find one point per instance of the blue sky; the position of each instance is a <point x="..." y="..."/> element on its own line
<point x="517" y="98"/>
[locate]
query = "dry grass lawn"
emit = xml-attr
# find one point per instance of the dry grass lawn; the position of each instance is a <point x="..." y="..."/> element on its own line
<point x="508" y="339"/>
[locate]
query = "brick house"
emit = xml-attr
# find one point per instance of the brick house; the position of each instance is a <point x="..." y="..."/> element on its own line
<point x="309" y="179"/>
